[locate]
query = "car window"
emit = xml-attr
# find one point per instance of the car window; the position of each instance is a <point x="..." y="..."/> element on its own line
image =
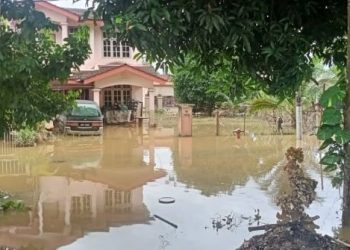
<point x="86" y="110"/>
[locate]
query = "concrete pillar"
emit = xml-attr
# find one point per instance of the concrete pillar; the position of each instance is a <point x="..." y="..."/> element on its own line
<point x="64" y="30"/>
<point x="152" y="122"/>
<point x="92" y="41"/>
<point x="159" y="102"/>
<point x="185" y="119"/>
<point x="298" y="118"/>
<point x="40" y="215"/>
<point x="96" y="95"/>
<point x="147" y="103"/>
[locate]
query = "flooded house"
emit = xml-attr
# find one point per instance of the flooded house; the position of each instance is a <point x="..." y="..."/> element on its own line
<point x="111" y="76"/>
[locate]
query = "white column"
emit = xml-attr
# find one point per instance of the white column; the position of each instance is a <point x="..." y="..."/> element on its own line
<point x="64" y="31"/>
<point x="40" y="215"/>
<point x="159" y="102"/>
<point x="92" y="42"/>
<point x="67" y="203"/>
<point x="96" y="96"/>
<point x="151" y="107"/>
<point x="146" y="104"/>
<point x="299" y="118"/>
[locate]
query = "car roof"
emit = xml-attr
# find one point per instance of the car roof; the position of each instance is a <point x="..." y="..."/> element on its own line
<point x="86" y="102"/>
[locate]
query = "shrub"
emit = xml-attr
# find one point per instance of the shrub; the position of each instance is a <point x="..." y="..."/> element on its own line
<point x="25" y="137"/>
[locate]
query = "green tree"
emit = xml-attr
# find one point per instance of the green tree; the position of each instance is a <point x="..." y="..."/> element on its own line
<point x="272" y="41"/>
<point x="29" y="60"/>
<point x="207" y="88"/>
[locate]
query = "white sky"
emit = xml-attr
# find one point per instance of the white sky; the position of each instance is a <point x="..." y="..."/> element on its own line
<point x="81" y="4"/>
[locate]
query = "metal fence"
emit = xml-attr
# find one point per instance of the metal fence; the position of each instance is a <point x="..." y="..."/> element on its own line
<point x="7" y="146"/>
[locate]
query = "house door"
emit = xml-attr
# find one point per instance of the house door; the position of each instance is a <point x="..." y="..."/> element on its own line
<point x="120" y="94"/>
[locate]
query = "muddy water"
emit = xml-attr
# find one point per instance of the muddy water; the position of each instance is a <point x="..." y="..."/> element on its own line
<point x="103" y="192"/>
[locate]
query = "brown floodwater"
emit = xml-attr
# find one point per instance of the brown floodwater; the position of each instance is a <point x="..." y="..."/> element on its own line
<point x="103" y="192"/>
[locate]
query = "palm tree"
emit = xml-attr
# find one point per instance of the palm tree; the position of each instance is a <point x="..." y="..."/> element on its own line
<point x="267" y="102"/>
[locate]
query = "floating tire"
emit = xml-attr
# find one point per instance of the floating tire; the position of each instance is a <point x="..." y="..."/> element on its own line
<point x="166" y="200"/>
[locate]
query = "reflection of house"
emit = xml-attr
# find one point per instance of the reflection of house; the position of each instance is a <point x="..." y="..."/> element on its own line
<point x="110" y="75"/>
<point x="71" y="203"/>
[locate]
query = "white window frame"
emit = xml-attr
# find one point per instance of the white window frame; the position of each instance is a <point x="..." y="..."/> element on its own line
<point x="112" y="48"/>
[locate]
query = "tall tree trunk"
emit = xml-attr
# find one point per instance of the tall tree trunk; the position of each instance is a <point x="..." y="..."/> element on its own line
<point x="346" y="189"/>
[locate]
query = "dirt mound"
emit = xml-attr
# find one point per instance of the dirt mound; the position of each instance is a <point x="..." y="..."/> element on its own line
<point x="295" y="230"/>
<point x="294" y="237"/>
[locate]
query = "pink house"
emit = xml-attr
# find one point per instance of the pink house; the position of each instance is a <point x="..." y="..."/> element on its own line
<point x="110" y="75"/>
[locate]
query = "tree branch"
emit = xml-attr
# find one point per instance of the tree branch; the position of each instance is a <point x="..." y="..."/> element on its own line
<point x="315" y="81"/>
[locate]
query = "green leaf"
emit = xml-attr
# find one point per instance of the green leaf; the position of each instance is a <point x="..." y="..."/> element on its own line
<point x="167" y="15"/>
<point x="246" y="43"/>
<point x="326" y="143"/>
<point x="330" y="168"/>
<point x="118" y="19"/>
<point x="325" y="132"/>
<point x="330" y="159"/>
<point x="140" y="27"/>
<point x="332" y="96"/>
<point x="342" y="136"/>
<point x="331" y="116"/>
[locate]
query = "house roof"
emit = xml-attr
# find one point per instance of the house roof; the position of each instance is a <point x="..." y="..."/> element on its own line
<point x="104" y="71"/>
<point x="80" y="12"/>
<point x="74" y="14"/>
<point x="69" y="14"/>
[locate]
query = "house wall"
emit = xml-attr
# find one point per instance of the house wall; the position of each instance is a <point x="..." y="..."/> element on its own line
<point x="124" y="79"/>
<point x="56" y="18"/>
<point x="137" y="93"/>
<point x="96" y="41"/>
<point x="101" y="60"/>
<point x="96" y="58"/>
<point x="164" y="90"/>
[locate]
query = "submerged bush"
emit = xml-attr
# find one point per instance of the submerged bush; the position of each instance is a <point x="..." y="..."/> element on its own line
<point x="7" y="203"/>
<point x="25" y="137"/>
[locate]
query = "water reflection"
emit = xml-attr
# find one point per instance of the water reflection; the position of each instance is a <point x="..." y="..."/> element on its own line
<point x="80" y="186"/>
<point x="218" y="164"/>
<point x="75" y="186"/>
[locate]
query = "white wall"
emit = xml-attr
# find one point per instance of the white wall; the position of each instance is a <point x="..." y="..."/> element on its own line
<point x="96" y="41"/>
<point x="124" y="79"/>
<point x="164" y="90"/>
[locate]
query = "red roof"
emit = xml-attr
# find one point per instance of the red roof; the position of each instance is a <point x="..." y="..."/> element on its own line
<point x="85" y="77"/>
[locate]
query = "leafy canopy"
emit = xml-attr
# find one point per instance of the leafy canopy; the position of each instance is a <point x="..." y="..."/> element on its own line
<point x="29" y="60"/>
<point x="273" y="41"/>
<point x="207" y="88"/>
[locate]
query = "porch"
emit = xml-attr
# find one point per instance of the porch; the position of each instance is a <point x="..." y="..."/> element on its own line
<point x="123" y="92"/>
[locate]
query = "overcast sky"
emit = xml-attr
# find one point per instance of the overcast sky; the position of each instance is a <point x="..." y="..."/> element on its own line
<point x="69" y="4"/>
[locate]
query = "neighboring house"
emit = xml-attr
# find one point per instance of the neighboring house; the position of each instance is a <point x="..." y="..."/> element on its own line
<point x="110" y="75"/>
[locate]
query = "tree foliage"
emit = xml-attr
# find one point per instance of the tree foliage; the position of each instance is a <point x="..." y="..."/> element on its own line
<point x="29" y="60"/>
<point x="208" y="88"/>
<point x="273" y="41"/>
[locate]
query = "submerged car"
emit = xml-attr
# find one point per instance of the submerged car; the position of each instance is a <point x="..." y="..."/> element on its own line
<point x="84" y="119"/>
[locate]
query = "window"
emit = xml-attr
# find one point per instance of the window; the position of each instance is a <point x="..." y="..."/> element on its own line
<point x="126" y="49"/>
<point x="108" y="98"/>
<point x="120" y="94"/>
<point x="114" y="48"/>
<point x="106" y="48"/>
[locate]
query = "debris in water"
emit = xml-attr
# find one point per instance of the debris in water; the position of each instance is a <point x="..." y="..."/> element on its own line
<point x="294" y="229"/>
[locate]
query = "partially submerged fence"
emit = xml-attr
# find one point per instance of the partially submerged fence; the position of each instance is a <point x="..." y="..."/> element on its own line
<point x="7" y="144"/>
